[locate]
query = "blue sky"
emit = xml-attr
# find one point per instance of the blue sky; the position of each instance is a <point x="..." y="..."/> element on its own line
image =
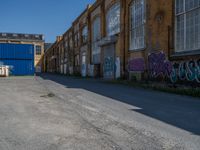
<point x="48" y="17"/>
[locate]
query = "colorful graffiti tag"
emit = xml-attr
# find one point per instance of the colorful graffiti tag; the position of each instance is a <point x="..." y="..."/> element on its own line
<point x="159" y="65"/>
<point x="91" y="70"/>
<point x="84" y="70"/>
<point x="109" y="66"/>
<point x="137" y="65"/>
<point x="189" y="71"/>
<point x="117" y="68"/>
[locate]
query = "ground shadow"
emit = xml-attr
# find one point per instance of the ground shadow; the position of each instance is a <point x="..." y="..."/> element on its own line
<point x="180" y="111"/>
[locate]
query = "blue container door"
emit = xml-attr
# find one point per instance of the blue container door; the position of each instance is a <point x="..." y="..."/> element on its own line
<point x="20" y="58"/>
<point x="16" y="51"/>
<point x="20" y="67"/>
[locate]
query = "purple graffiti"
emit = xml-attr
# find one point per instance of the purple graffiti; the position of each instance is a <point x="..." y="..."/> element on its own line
<point x="137" y="64"/>
<point x="159" y="66"/>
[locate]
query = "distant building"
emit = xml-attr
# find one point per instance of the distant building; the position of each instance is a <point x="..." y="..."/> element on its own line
<point x="47" y="46"/>
<point x="37" y="40"/>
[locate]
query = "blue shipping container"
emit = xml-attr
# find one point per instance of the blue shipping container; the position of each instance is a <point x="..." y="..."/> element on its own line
<point x="16" y="51"/>
<point x="20" y="58"/>
<point x="19" y="67"/>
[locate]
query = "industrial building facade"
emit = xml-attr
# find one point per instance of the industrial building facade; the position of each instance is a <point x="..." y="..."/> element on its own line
<point x="155" y="40"/>
<point x="25" y="53"/>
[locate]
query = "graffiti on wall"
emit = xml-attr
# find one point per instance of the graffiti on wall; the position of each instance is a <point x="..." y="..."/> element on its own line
<point x="117" y="66"/>
<point x="184" y="71"/>
<point x="109" y="66"/>
<point x="84" y="70"/>
<point x="189" y="70"/>
<point x="61" y="69"/>
<point x="71" y="70"/>
<point x="159" y="65"/>
<point x="91" y="70"/>
<point x="137" y="65"/>
<point x="65" y="68"/>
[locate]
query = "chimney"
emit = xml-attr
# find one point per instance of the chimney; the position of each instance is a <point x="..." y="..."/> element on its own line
<point x="58" y="38"/>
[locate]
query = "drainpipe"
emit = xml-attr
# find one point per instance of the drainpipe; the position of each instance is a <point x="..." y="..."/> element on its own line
<point x="124" y="43"/>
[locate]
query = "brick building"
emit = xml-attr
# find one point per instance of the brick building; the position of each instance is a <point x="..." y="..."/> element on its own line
<point x="52" y="58"/>
<point x="137" y="39"/>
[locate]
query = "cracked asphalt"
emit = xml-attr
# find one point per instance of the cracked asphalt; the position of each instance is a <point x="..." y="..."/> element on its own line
<point x="52" y="112"/>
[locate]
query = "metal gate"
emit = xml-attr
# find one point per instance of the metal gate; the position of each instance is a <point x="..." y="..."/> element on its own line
<point x="109" y="62"/>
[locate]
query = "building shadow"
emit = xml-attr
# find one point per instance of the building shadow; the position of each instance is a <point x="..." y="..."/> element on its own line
<point x="180" y="111"/>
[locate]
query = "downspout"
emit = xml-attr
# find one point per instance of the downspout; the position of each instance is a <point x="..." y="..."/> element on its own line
<point x="124" y="37"/>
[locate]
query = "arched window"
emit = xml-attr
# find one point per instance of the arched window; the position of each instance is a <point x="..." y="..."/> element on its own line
<point x="113" y="20"/>
<point x="137" y="24"/>
<point x="96" y="35"/>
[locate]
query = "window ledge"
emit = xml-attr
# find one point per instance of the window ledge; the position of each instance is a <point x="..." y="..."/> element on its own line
<point x="186" y="53"/>
<point x="136" y="50"/>
<point x="108" y="40"/>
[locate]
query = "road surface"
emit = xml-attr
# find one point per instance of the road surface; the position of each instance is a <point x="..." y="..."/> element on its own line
<point x="53" y="112"/>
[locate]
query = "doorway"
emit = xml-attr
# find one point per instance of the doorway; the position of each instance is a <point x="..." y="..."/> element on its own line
<point x="109" y="62"/>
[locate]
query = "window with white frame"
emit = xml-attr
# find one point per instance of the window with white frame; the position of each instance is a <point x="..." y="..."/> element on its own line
<point x="66" y="44"/>
<point x="70" y="43"/>
<point x="113" y="20"/>
<point x="84" y="34"/>
<point x="38" y="50"/>
<point x="77" y="60"/>
<point x="96" y="34"/>
<point x="137" y="24"/>
<point x="187" y="25"/>
<point x="76" y="39"/>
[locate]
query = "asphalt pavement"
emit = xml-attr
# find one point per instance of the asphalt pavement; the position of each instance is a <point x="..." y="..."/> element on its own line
<point x="53" y="112"/>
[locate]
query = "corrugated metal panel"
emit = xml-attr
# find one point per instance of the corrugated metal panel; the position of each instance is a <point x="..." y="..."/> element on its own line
<point x="20" y="67"/>
<point x="16" y="51"/>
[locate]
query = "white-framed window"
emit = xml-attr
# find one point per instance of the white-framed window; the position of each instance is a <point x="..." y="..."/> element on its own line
<point x="66" y="44"/>
<point x="76" y="39"/>
<point x="15" y="35"/>
<point x="38" y="50"/>
<point x="96" y="35"/>
<point x="113" y="20"/>
<point x="137" y="24"/>
<point x="37" y="36"/>
<point x="85" y="34"/>
<point x="77" y="60"/>
<point x="187" y="25"/>
<point x="70" y="43"/>
<point x="4" y="34"/>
